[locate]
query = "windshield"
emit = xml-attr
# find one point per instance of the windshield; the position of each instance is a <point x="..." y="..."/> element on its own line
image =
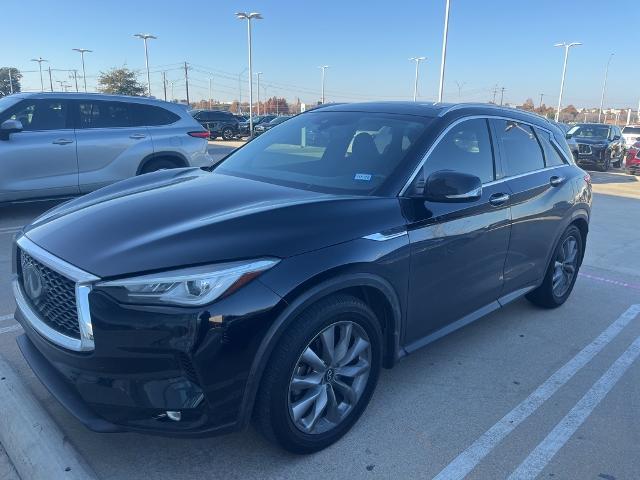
<point x="333" y="152"/>
<point x="589" y="131"/>
<point x="7" y="102"/>
<point x="631" y="130"/>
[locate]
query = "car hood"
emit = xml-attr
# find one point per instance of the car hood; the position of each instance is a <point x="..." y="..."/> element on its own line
<point x="176" y="218"/>
<point x="591" y="141"/>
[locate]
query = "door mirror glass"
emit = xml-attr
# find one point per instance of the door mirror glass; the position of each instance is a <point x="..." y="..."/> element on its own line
<point x="449" y="186"/>
<point x="568" y="136"/>
<point x="8" y="127"/>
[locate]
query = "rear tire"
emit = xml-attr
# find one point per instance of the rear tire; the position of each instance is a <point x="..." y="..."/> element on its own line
<point x="562" y="271"/>
<point x="158" y="164"/>
<point x="340" y="398"/>
<point x="227" y="134"/>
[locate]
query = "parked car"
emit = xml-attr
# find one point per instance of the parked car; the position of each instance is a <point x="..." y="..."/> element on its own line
<point x="257" y="120"/>
<point x="599" y="145"/>
<point x="65" y="144"/>
<point x="264" y="126"/>
<point x="631" y="134"/>
<point x="218" y="122"/>
<point x="276" y="285"/>
<point x="573" y="145"/>
<point x="632" y="162"/>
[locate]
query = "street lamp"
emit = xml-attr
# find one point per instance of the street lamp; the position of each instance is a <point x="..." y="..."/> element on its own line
<point x="444" y="50"/>
<point x="40" y="60"/>
<point x="323" y="68"/>
<point x="248" y="17"/>
<point x="604" y="86"/>
<point x="84" y="73"/>
<point x="145" y="37"/>
<point x="415" y="83"/>
<point x="566" y="46"/>
<point x="258" y="81"/>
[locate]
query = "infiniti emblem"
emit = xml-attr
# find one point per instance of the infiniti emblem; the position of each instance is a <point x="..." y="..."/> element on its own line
<point x="329" y="375"/>
<point x="33" y="282"/>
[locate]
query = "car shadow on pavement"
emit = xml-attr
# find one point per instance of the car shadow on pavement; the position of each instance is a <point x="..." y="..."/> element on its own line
<point x="601" y="178"/>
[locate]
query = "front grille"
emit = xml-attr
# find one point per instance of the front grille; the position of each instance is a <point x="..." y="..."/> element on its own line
<point x="52" y="296"/>
<point x="586" y="149"/>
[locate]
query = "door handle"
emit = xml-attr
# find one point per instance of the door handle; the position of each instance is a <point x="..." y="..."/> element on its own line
<point x="62" y="141"/>
<point x="138" y="136"/>
<point x="498" y="199"/>
<point x="556" y="181"/>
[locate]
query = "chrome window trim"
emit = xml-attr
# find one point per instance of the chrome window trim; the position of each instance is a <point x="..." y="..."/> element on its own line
<point x="425" y="157"/>
<point x="83" y="284"/>
<point x="383" y="237"/>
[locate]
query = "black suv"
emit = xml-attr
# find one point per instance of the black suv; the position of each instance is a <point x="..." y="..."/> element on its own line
<point x="277" y="284"/>
<point x="218" y="122"/>
<point x="598" y="145"/>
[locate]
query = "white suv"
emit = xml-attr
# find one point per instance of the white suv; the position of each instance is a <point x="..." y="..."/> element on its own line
<point x="65" y="144"/>
<point x="631" y="134"/>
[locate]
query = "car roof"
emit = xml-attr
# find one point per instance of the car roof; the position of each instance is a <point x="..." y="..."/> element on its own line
<point x="96" y="96"/>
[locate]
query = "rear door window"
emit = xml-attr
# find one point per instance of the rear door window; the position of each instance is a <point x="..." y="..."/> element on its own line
<point x="521" y="151"/>
<point x="101" y="114"/>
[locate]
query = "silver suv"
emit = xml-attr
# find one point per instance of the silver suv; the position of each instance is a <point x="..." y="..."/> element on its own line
<point x="64" y="144"/>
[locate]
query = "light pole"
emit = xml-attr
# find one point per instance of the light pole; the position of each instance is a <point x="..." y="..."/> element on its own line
<point x="604" y="86"/>
<point x="444" y="50"/>
<point x="566" y="46"/>
<point x="40" y="60"/>
<point x="145" y="37"/>
<point x="258" y="85"/>
<point x="84" y="73"/>
<point x="323" y="68"/>
<point x="460" y="85"/>
<point x="210" y="97"/>
<point x="417" y="60"/>
<point x="248" y="17"/>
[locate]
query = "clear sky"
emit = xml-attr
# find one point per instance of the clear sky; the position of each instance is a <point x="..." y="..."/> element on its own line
<point x="504" y="43"/>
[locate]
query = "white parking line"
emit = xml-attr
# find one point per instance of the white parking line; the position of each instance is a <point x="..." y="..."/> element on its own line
<point x="545" y="451"/>
<point x="12" y="328"/>
<point x="469" y="458"/>
<point x="6" y="317"/>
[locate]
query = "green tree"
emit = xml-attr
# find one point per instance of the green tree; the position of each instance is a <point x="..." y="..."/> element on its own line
<point x="9" y="83"/>
<point x="121" y="81"/>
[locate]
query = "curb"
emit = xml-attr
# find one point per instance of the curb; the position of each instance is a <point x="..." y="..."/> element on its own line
<point x="34" y="443"/>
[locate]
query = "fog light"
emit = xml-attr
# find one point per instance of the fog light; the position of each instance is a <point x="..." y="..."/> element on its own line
<point x="173" y="415"/>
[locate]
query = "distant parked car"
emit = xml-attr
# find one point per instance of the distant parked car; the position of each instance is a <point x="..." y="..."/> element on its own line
<point x="65" y="144"/>
<point x="632" y="162"/>
<point x="631" y="134"/>
<point x="599" y="145"/>
<point x="257" y="120"/>
<point x="219" y="123"/>
<point x="264" y="126"/>
<point x="573" y="145"/>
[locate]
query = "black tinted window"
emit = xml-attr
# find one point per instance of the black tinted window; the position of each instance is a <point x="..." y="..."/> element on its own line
<point x="98" y="114"/>
<point x="151" y="116"/>
<point x="41" y="114"/>
<point x="552" y="157"/>
<point x="465" y="148"/>
<point x="520" y="149"/>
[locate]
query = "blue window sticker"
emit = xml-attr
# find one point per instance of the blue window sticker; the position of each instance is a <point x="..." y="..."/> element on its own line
<point x="363" y="176"/>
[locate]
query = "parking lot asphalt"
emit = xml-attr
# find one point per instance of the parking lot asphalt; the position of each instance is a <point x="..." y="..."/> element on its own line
<point x="524" y="392"/>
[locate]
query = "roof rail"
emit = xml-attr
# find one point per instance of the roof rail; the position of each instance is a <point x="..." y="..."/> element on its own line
<point x="459" y="106"/>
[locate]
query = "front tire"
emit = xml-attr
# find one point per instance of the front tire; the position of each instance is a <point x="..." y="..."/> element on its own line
<point x="227" y="134"/>
<point x="562" y="271"/>
<point x="321" y="375"/>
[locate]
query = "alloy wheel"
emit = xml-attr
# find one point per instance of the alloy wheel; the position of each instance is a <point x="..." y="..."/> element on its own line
<point x="329" y="377"/>
<point x="565" y="266"/>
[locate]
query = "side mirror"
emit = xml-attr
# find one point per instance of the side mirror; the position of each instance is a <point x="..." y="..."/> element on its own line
<point x="8" y="127"/>
<point x="451" y="187"/>
<point x="568" y="136"/>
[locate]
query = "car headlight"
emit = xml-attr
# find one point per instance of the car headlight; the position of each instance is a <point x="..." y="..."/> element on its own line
<point x="188" y="287"/>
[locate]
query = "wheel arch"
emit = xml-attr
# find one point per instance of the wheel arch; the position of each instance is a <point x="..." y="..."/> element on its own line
<point x="371" y="288"/>
<point x="178" y="158"/>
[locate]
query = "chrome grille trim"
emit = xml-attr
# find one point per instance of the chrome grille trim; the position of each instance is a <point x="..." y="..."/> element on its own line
<point x="83" y="282"/>
<point x="584" y="149"/>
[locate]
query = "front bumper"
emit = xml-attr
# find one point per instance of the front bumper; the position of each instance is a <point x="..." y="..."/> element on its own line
<point x="596" y="157"/>
<point x="147" y="361"/>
